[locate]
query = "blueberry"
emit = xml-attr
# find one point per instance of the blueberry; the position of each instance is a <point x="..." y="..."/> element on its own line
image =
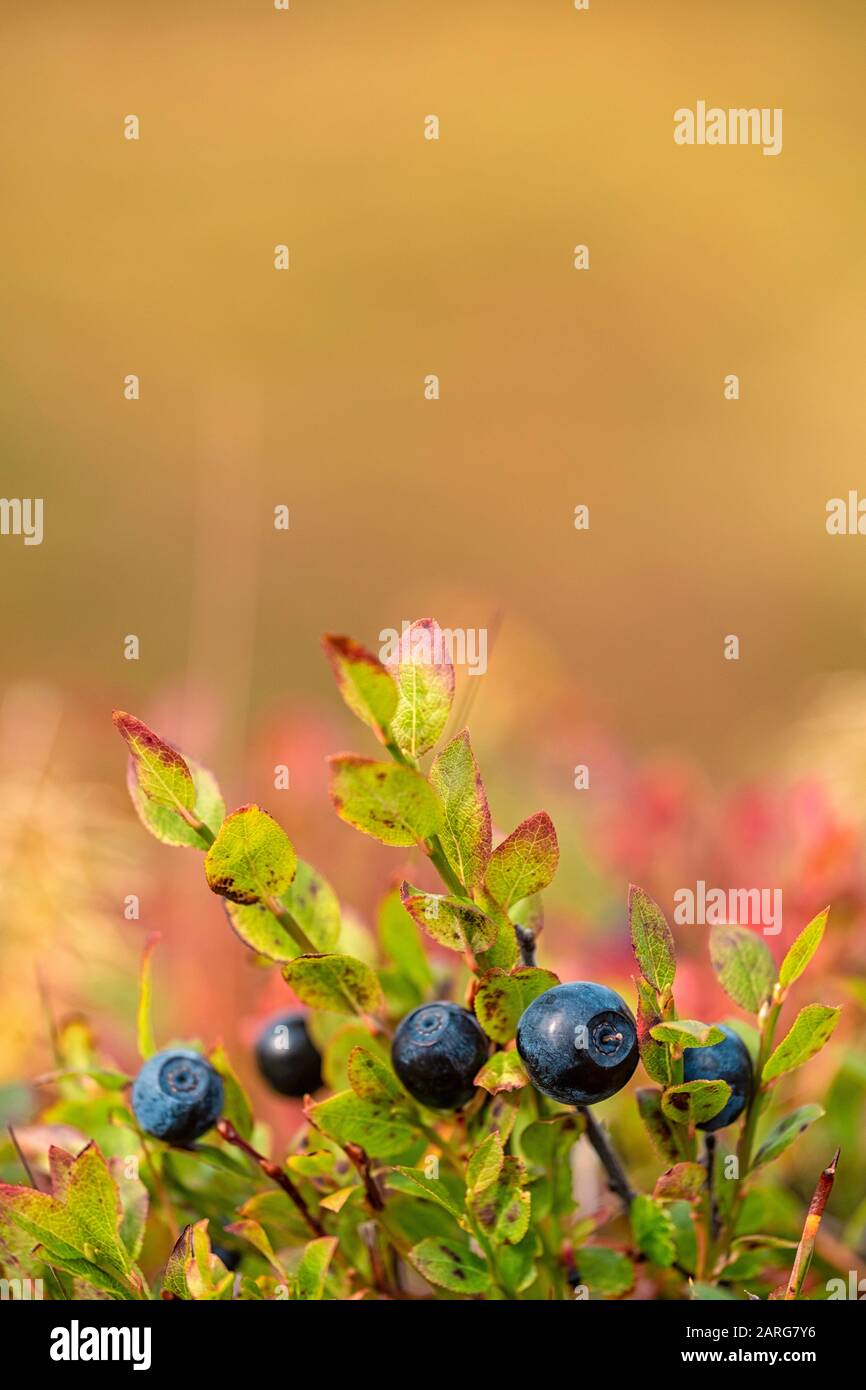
<point x="177" y="1096"/>
<point x="437" y="1052"/>
<point x="578" y="1043"/>
<point x="287" y="1057"/>
<point x="724" y="1061"/>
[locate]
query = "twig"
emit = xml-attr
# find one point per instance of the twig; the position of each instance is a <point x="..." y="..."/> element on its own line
<point x="273" y="1171"/>
<point x="361" y="1161"/>
<point x="806" y="1248"/>
<point x="609" y="1158"/>
<point x="710" y="1164"/>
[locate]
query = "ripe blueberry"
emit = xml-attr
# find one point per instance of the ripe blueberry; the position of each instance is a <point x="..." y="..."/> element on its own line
<point x="177" y="1096"/>
<point x="724" y="1061"/>
<point x="578" y="1043"/>
<point x="287" y="1056"/>
<point x="438" y="1050"/>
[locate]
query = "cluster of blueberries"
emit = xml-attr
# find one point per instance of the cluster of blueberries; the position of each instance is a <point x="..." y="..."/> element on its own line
<point x="578" y="1043"/>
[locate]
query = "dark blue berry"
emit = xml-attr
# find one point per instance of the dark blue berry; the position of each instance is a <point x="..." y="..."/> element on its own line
<point x="437" y="1052"/>
<point x="177" y="1096"/>
<point x="724" y="1061"/>
<point x="578" y="1043"/>
<point x="287" y="1057"/>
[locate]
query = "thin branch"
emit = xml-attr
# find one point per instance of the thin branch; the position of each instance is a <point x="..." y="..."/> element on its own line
<point x="610" y="1160"/>
<point x="273" y="1171"/>
<point x="361" y="1161"/>
<point x="806" y="1248"/>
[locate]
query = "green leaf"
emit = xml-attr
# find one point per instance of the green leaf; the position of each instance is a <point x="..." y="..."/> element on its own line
<point x="134" y="1204"/>
<point x="309" y="1282"/>
<point x="743" y="966"/>
<point x="607" y="1272"/>
<point x="544" y="1140"/>
<point x="516" y="1263"/>
<point x="651" y="939"/>
<point x="162" y="775"/>
<point x="687" y="1032"/>
<point x="695" y="1101"/>
<point x="422" y="669"/>
<point x="247" y="1229"/>
<point x="393" y="804"/>
<point x="146" y="1044"/>
<point x="504" y="953"/>
<point x="339" y="1047"/>
<point x="451" y="1266"/>
<point x="309" y="900"/>
<point x="785" y="1132"/>
<point x="236" y="1106"/>
<point x="384" y="1130"/>
<point x="399" y="940"/>
<point x="341" y="984"/>
<point x="525" y="863"/>
<point x="504" y="1072"/>
<point x="251" y="859"/>
<point x="803" y="949"/>
<point x="654" y="1055"/>
<point x="453" y="923"/>
<point x="683" y="1182"/>
<point x="501" y="998"/>
<point x="810" y="1031"/>
<point x="79" y="1223"/>
<point x="653" y="1231"/>
<point x="363" y="682"/>
<point x="435" y="1189"/>
<point x="466" y="829"/>
<point x="499" y="1116"/>
<point x="502" y="1207"/>
<point x="371" y="1078"/>
<point x="168" y="825"/>
<point x="485" y="1164"/>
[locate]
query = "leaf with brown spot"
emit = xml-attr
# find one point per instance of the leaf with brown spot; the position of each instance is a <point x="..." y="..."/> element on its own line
<point x="683" y="1182"/>
<point x="393" y="804"/>
<point x="524" y="863"/>
<point x="651" y="939"/>
<point x="251" y="859"/>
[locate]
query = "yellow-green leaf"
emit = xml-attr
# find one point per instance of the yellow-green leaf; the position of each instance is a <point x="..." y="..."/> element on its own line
<point x="743" y="966"/>
<point x="525" y="862"/>
<point x="252" y="858"/>
<point x="450" y="1265"/>
<point x="466" y="829"/>
<point x="364" y="683"/>
<point x="421" y="667"/>
<point x="452" y="922"/>
<point x="338" y="983"/>
<point x="504" y="1072"/>
<point x="810" y="1031"/>
<point x="651" y="939"/>
<point x="803" y="949"/>
<point x="695" y="1101"/>
<point x="162" y="774"/>
<point x="167" y="824"/>
<point x="393" y="804"/>
<point x="687" y="1032"/>
<point x="309" y="900"/>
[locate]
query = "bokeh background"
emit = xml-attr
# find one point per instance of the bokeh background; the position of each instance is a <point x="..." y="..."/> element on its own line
<point x="305" y="388"/>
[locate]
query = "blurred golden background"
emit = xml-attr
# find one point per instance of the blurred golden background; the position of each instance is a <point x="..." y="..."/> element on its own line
<point x="305" y="388"/>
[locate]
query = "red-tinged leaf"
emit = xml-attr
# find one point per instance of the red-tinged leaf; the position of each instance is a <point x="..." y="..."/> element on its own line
<point x="525" y="863"/>
<point x="366" y="686"/>
<point x="683" y="1182"/>
<point x="163" y="776"/>
<point x="452" y="922"/>
<point x="651" y="938"/>
<point x="421" y="666"/>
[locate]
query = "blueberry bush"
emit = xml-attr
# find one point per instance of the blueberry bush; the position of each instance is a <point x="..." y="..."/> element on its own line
<point x="443" y="1106"/>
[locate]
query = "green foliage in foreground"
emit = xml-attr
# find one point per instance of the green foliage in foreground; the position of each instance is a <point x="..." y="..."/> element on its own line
<point x="378" y="1197"/>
